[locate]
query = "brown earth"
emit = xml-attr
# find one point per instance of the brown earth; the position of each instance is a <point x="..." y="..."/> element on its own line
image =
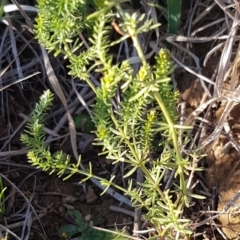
<point x="223" y="164"/>
<point x="224" y="172"/>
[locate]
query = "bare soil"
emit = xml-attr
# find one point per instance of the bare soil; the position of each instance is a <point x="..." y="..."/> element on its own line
<point x="51" y="198"/>
<point x="222" y="163"/>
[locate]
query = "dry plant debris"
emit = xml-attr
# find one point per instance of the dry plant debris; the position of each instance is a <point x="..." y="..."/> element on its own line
<point x="217" y="114"/>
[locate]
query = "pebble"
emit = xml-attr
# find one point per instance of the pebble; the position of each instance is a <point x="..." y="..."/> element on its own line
<point x="88" y="217"/>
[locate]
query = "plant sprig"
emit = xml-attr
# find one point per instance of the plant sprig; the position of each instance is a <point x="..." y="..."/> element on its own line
<point x="131" y="109"/>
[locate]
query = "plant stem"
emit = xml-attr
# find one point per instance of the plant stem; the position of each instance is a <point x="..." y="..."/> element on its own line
<point x="168" y="119"/>
<point x="90" y="175"/>
<point x="174" y="138"/>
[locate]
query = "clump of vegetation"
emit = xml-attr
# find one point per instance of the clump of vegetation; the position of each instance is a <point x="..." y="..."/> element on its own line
<point x="132" y="108"/>
<point x="77" y="225"/>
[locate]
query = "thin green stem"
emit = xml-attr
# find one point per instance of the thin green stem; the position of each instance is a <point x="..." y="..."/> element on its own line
<point x="174" y="138"/>
<point x="168" y="119"/>
<point x="91" y="85"/>
<point x="90" y="175"/>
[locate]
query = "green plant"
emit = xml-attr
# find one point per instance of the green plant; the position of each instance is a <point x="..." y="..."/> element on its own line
<point x="173" y="15"/>
<point x="2" y="198"/>
<point x="84" y="123"/>
<point x="2" y="205"/>
<point x="2" y="4"/>
<point x="127" y="127"/>
<point x="81" y="230"/>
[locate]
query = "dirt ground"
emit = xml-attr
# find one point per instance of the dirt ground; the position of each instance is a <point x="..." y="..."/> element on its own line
<point x="222" y="163"/>
<point x="51" y="198"/>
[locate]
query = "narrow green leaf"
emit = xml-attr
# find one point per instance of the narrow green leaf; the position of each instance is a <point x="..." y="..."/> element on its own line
<point x="130" y="172"/>
<point x="197" y="196"/>
<point x="74" y="216"/>
<point x="68" y="230"/>
<point x="174" y="15"/>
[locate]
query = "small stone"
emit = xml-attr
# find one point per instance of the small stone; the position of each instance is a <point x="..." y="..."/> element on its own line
<point x="88" y="217"/>
<point x="125" y="220"/>
<point x="90" y="196"/>
<point x="71" y="199"/>
<point x="62" y="210"/>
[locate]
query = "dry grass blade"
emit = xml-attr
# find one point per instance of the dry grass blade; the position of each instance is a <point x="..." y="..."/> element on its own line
<point x="225" y="57"/>
<point x="201" y="77"/>
<point x="27" y="224"/>
<point x="196" y="39"/>
<point x="221" y="77"/>
<point x="6" y="229"/>
<point x="26" y="199"/>
<point x="228" y="108"/>
<point x="19" y="7"/>
<point x="81" y="99"/>
<point x="203" y="14"/>
<point x="224" y="8"/>
<point x="58" y="90"/>
<point x="193" y="115"/>
<point x="20" y="80"/>
<point x="211" y="52"/>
